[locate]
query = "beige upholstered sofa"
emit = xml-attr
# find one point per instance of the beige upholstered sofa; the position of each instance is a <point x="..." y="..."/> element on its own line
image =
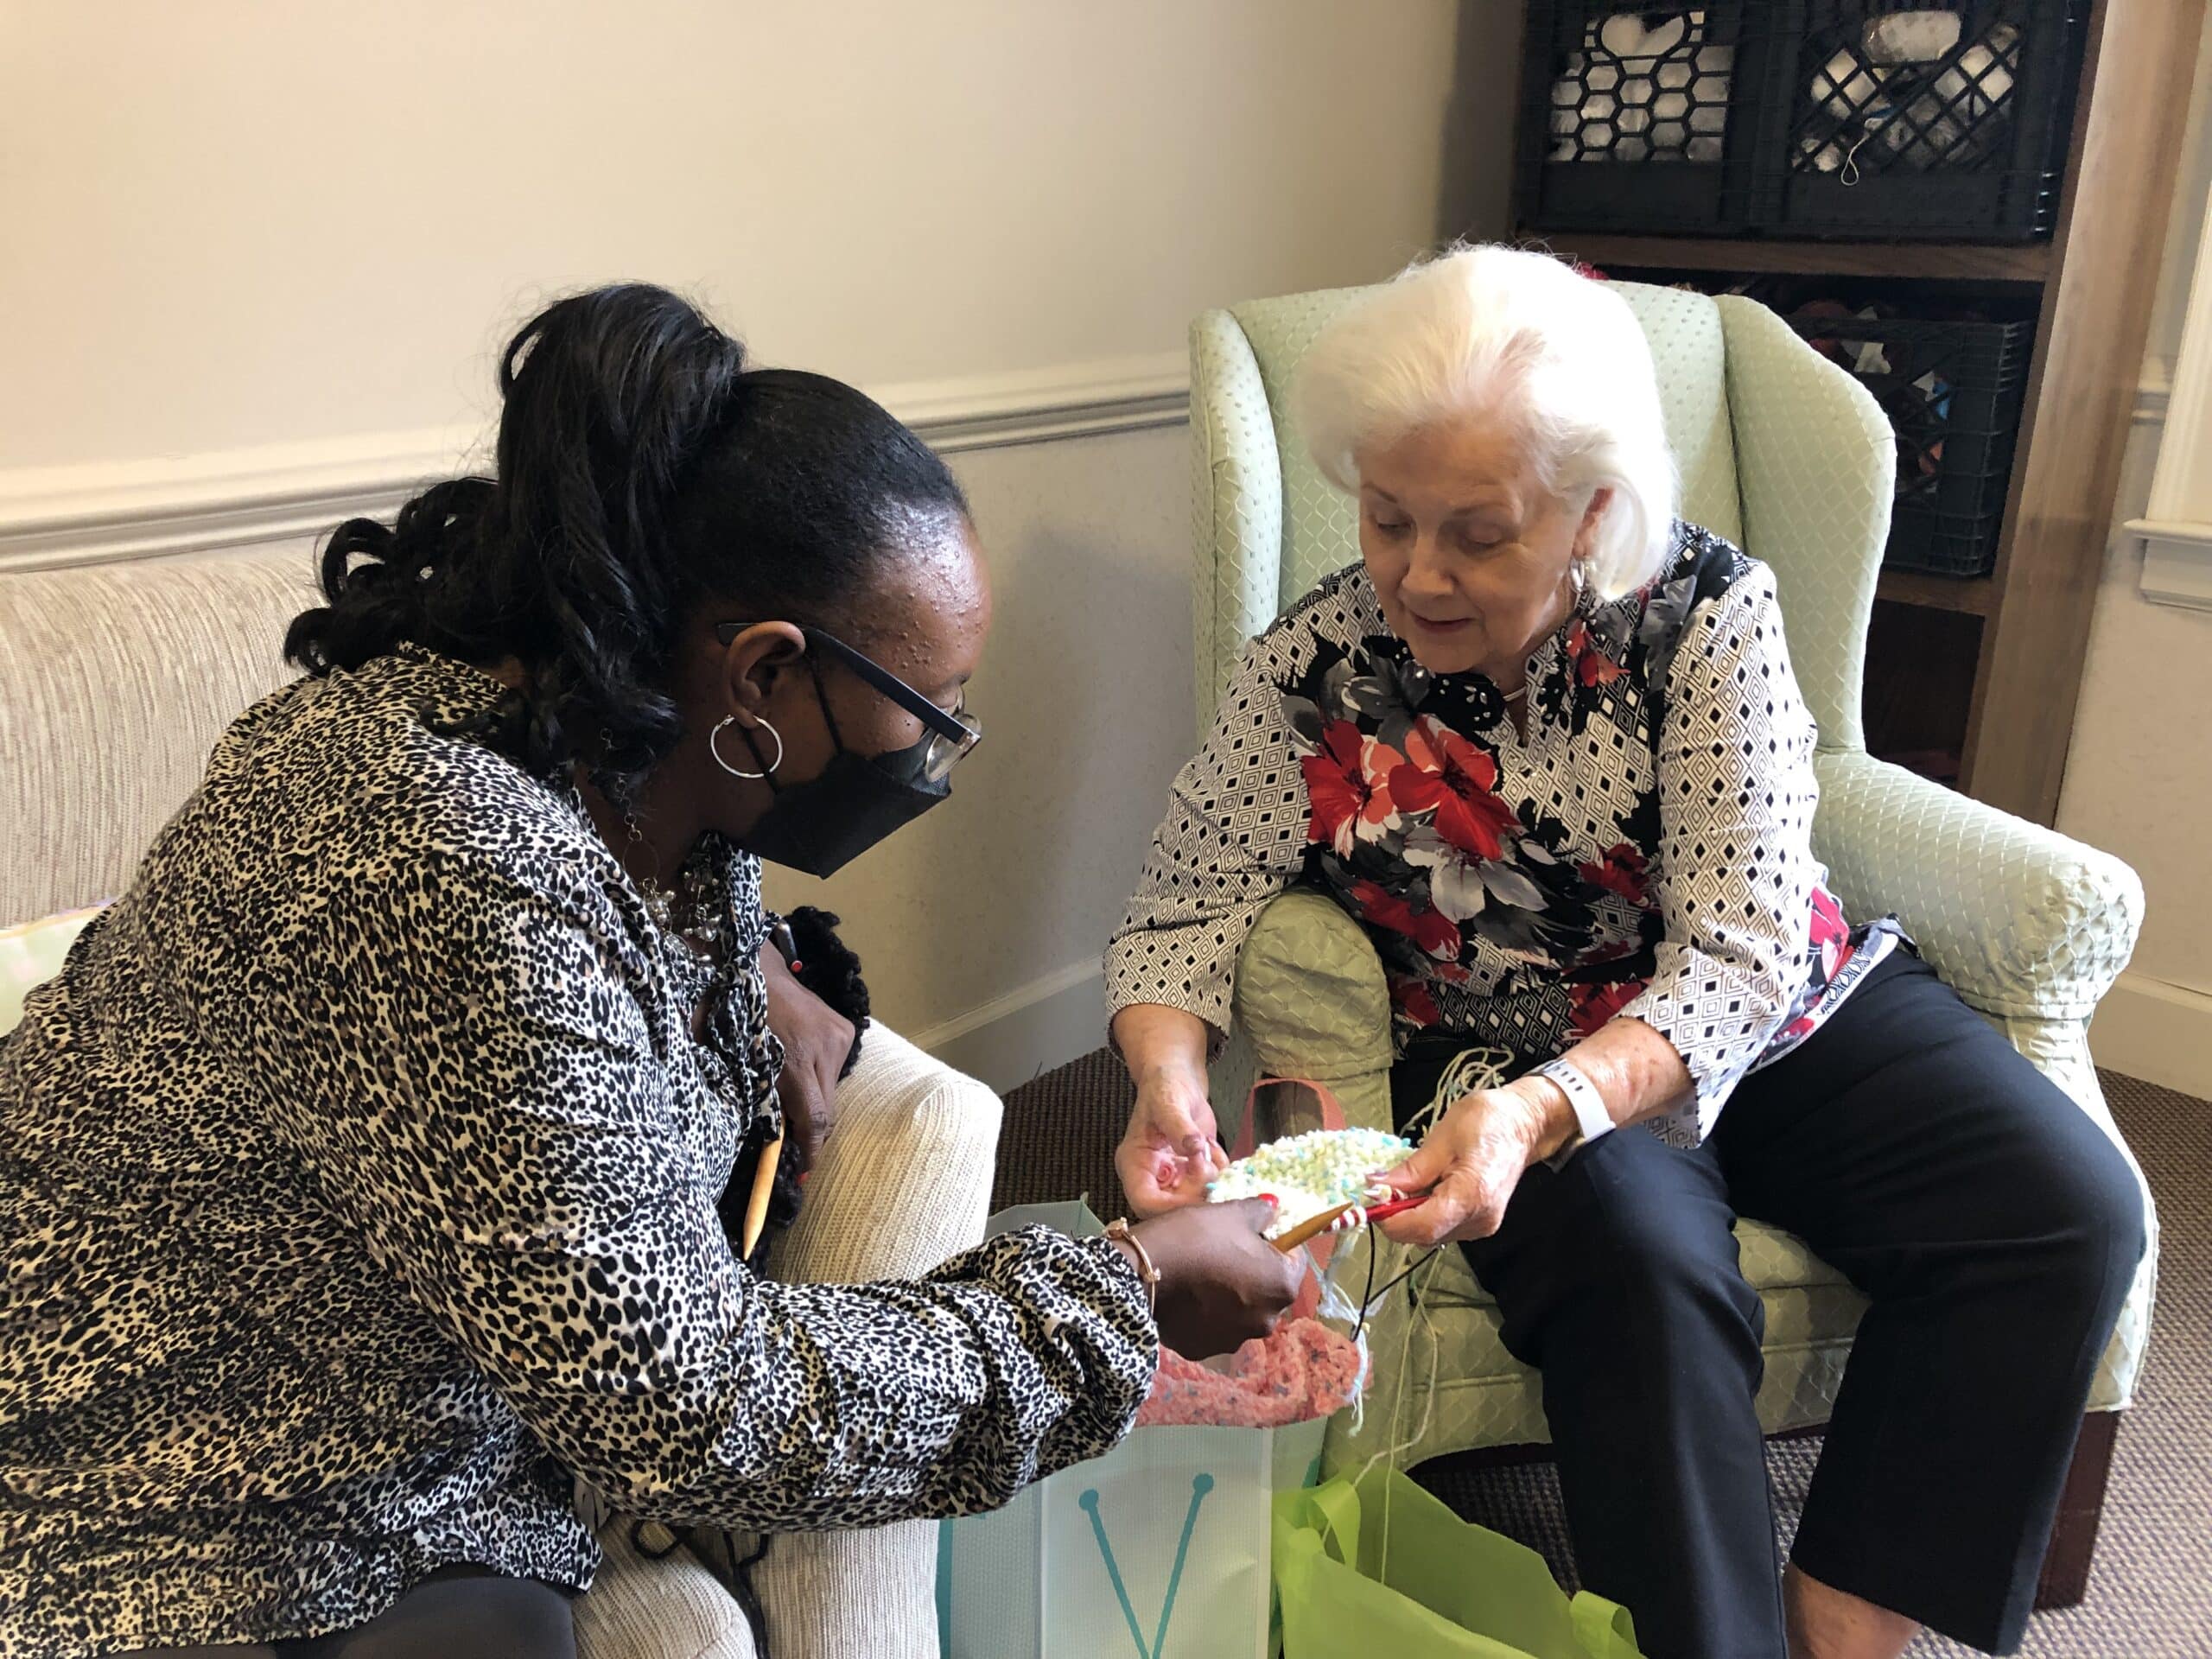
<point x="115" y="681"/>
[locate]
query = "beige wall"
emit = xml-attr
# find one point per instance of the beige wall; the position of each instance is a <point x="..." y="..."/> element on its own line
<point x="2138" y="774"/>
<point x="239" y="225"/>
<point x="237" y="220"/>
<point x="236" y="235"/>
<point x="1009" y="888"/>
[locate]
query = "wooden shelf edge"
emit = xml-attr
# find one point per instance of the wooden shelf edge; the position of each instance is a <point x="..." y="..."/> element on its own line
<point x="1976" y="595"/>
<point x="2124" y="160"/>
<point x="1978" y="262"/>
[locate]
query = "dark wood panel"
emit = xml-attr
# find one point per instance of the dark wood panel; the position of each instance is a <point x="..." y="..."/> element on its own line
<point x="2065" y="1576"/>
<point x="1977" y="596"/>
<point x="2082" y="386"/>
<point x="1919" y="669"/>
<point x="2027" y="263"/>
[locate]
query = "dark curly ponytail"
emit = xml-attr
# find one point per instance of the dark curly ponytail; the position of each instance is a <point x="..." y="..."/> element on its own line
<point x="642" y="468"/>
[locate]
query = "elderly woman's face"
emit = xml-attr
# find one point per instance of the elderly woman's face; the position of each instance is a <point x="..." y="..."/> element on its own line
<point x="1470" y="557"/>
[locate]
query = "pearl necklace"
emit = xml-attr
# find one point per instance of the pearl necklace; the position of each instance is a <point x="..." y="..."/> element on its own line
<point x="660" y="903"/>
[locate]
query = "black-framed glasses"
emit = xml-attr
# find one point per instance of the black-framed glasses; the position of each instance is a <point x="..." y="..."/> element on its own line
<point x="951" y="733"/>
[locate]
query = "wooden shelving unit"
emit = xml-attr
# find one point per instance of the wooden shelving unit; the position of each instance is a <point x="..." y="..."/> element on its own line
<point x="2030" y="619"/>
<point x="1976" y="596"/>
<point x="2025" y="263"/>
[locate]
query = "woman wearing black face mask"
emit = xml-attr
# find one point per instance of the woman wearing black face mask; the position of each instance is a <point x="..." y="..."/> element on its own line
<point x="364" y="1165"/>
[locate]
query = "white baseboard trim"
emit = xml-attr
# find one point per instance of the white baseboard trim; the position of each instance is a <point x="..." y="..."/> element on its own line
<point x="1032" y="1028"/>
<point x="2156" y="1030"/>
<point x="100" y="513"/>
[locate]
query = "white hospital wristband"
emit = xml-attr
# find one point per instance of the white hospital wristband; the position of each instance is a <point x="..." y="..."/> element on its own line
<point x="1591" y="1117"/>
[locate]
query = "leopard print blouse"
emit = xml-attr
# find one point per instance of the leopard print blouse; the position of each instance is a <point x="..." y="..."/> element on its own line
<point x="358" y="1186"/>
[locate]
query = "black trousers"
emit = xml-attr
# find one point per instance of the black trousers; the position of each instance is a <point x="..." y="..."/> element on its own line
<point x="1995" y="1231"/>
<point x="458" y="1612"/>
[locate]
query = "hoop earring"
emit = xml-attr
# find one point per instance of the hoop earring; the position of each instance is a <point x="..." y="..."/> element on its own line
<point x="714" y="748"/>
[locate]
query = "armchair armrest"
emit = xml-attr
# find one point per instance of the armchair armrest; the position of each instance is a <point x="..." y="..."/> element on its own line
<point x="904" y="1182"/>
<point x="2020" y="920"/>
<point x="1311" y="1001"/>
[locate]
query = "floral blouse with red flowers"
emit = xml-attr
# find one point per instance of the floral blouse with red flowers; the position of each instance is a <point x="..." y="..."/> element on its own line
<point x="1645" y="850"/>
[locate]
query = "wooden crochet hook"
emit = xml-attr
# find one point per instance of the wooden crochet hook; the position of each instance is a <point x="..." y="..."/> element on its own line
<point x="756" y="1203"/>
<point x="1314" y="1226"/>
<point x="1311" y="1228"/>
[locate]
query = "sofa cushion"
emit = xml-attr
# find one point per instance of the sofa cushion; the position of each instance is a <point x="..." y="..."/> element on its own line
<point x="31" y="953"/>
<point x="116" y="683"/>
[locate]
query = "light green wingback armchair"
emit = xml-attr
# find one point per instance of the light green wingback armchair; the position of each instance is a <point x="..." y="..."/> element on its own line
<point x="1788" y="457"/>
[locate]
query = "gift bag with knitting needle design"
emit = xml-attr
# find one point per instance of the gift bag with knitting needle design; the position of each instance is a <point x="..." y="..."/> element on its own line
<point x="1158" y="1550"/>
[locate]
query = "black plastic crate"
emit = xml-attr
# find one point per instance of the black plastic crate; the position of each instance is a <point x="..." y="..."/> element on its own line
<point x="1952" y="393"/>
<point x="1645" y="119"/>
<point x="1874" y="119"/>
<point x="1904" y="118"/>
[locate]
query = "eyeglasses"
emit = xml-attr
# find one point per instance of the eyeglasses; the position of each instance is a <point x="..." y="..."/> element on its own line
<point x="952" y="734"/>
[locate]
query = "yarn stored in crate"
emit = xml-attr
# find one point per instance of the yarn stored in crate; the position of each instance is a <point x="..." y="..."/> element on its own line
<point x="1881" y="92"/>
<point x="1912" y="36"/>
<point x="1643" y="91"/>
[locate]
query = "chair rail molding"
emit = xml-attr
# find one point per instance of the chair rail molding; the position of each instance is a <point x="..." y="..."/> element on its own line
<point x="99" y="512"/>
<point x="2175" y="529"/>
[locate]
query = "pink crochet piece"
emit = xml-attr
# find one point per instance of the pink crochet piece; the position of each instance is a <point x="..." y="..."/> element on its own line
<point x="1303" y="1371"/>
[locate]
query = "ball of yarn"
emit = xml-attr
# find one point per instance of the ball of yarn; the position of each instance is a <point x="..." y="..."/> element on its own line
<point x="1912" y="36"/>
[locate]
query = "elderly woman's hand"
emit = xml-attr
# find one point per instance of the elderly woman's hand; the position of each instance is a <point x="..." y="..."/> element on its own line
<point x="1169" y="1152"/>
<point x="1469" y="1165"/>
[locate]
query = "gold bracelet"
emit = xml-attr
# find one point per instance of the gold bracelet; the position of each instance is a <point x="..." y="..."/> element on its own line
<point x="1120" y="1232"/>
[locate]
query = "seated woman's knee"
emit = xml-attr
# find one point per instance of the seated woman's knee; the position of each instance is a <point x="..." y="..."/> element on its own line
<point x="2058" y="1199"/>
<point x="2092" y="1205"/>
<point x="1642" y="1237"/>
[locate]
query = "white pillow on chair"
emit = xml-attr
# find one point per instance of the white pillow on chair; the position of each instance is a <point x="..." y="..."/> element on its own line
<point x="33" y="953"/>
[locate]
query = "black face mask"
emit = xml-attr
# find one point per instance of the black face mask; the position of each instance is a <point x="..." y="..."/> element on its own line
<point x="820" y="826"/>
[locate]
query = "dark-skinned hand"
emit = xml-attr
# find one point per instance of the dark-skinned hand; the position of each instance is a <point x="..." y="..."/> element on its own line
<point x="1221" y="1283"/>
<point x="815" y="1039"/>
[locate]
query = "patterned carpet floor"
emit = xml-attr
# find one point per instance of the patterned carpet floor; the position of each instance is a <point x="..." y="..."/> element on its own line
<point x="2151" y="1591"/>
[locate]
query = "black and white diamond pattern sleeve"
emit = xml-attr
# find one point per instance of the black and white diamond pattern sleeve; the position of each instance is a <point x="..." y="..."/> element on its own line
<point x="1233" y="838"/>
<point x="1736" y="870"/>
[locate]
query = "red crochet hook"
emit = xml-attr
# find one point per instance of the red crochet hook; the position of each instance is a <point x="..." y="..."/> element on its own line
<point x="1314" y="1226"/>
<point x="1378" y="1211"/>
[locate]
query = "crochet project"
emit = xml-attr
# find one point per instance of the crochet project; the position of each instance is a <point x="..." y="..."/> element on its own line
<point x="1312" y="1173"/>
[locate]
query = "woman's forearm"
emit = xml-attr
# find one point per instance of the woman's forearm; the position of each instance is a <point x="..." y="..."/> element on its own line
<point x="1633" y="1068"/>
<point x="1154" y="1038"/>
<point x="1469" y="1165"/>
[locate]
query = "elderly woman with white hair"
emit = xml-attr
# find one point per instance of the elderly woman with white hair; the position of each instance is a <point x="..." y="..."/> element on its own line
<point x="1543" y="742"/>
